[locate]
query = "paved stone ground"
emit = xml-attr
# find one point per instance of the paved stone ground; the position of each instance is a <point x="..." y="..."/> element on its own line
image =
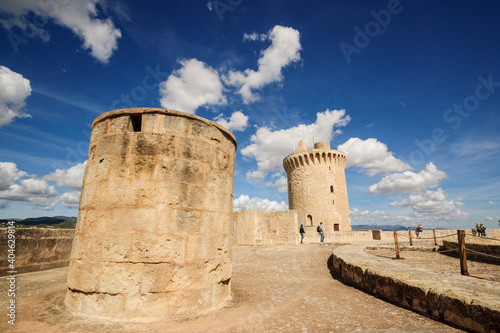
<point x="441" y="263"/>
<point x="275" y="289"/>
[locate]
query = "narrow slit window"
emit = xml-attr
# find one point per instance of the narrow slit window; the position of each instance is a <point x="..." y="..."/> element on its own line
<point x="331" y="189"/>
<point x="136" y="120"/>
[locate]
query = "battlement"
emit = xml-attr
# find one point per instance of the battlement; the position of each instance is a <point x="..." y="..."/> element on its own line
<point x="314" y="158"/>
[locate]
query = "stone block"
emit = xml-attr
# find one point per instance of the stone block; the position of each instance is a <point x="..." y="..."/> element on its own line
<point x="97" y="171"/>
<point x="121" y="124"/>
<point x="135" y="167"/>
<point x="181" y="171"/>
<point x="120" y="278"/>
<point x="155" y="277"/>
<point x="99" y="129"/>
<point x="115" y="247"/>
<point x="186" y="220"/>
<point x="150" y="121"/>
<point x="150" y="248"/>
<point x="113" y="145"/>
<point x="196" y="150"/>
<point x="133" y="220"/>
<point x="154" y="193"/>
<point x="96" y="305"/>
<point x="144" y="144"/>
<point x="96" y="221"/>
<point x="201" y="247"/>
<point x="116" y="193"/>
<point x="175" y="125"/>
<point x="84" y="276"/>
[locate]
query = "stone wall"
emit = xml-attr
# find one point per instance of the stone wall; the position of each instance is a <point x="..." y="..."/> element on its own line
<point x="154" y="232"/>
<point x="259" y="227"/>
<point x="37" y="249"/>
<point x="468" y="303"/>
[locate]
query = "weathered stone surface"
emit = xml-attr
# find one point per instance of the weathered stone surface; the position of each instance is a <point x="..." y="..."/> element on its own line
<point x="154" y="230"/>
<point x="265" y="227"/>
<point x="113" y="145"/>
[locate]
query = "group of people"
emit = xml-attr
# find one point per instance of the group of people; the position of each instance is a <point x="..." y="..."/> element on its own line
<point x="319" y="229"/>
<point x="481" y="230"/>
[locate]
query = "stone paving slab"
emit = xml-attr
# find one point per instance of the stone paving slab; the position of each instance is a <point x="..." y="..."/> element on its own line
<point x="275" y="289"/>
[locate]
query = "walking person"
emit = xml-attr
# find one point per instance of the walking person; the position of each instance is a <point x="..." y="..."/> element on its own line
<point x="478" y="230"/>
<point x="302" y="233"/>
<point x="321" y="231"/>
<point x="420" y="231"/>
<point x="483" y="230"/>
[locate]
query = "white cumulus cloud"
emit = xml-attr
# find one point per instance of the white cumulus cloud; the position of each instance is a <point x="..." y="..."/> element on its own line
<point x="192" y="86"/>
<point x="14" y="89"/>
<point x="237" y="122"/>
<point x="8" y="174"/>
<point x="409" y="181"/>
<point x="269" y="146"/>
<point x="432" y="203"/>
<point x="244" y="202"/>
<point x="70" y="199"/>
<point x="371" y="155"/>
<point x="365" y="216"/>
<point x="284" y="49"/>
<point x="72" y="177"/>
<point x="81" y="17"/>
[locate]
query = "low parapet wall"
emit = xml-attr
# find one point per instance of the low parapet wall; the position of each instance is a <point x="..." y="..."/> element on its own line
<point x="462" y="301"/>
<point x="260" y="227"/>
<point x="36" y="249"/>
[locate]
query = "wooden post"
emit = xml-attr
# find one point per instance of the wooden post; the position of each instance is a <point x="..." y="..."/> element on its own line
<point x="409" y="234"/>
<point x="462" y="253"/>
<point x="434" y="233"/>
<point x="396" y="244"/>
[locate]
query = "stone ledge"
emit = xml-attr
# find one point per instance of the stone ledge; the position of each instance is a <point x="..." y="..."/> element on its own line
<point x="462" y="301"/>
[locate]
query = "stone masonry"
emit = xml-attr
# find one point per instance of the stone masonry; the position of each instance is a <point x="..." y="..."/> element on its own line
<point x="317" y="187"/>
<point x="154" y="231"/>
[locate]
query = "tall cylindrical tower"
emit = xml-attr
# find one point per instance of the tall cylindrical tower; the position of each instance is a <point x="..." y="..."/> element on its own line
<point x="316" y="186"/>
<point x="154" y="231"/>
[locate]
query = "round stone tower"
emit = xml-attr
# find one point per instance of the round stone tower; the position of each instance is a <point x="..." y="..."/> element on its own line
<point x="316" y="186"/>
<point x="154" y="230"/>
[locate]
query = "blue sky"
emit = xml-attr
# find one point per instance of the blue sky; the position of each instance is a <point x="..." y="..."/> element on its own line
<point x="410" y="90"/>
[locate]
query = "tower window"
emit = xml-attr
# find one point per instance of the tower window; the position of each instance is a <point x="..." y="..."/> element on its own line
<point x="333" y="202"/>
<point x="331" y="189"/>
<point x="136" y="120"/>
<point x="309" y="220"/>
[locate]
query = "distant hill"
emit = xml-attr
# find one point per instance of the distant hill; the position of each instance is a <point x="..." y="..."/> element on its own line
<point x="59" y="222"/>
<point x="383" y="227"/>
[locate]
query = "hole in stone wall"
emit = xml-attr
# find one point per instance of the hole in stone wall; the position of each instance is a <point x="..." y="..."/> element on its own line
<point x="136" y="120"/>
<point x="331" y="188"/>
<point x="336" y="227"/>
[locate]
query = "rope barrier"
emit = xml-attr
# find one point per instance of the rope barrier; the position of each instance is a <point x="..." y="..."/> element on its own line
<point x="496" y="239"/>
<point x="481" y="253"/>
<point x="454" y="235"/>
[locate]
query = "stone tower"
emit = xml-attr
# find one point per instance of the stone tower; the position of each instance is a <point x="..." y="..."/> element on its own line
<point x="154" y="231"/>
<point x="316" y="186"/>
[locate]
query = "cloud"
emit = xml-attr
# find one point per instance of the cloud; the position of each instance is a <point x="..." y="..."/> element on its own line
<point x="408" y="181"/>
<point x="70" y="199"/>
<point x="192" y="86"/>
<point x="17" y="185"/>
<point x="280" y="183"/>
<point x="98" y="35"/>
<point x="72" y="177"/>
<point x="8" y="174"/>
<point x="491" y="202"/>
<point x="432" y="203"/>
<point x="28" y="190"/>
<point x="284" y="50"/>
<point x="244" y="202"/>
<point x="14" y="89"/>
<point x="4" y="204"/>
<point x="377" y="216"/>
<point x="255" y="36"/>
<point x="371" y="155"/>
<point x="237" y="122"/>
<point x="270" y="146"/>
